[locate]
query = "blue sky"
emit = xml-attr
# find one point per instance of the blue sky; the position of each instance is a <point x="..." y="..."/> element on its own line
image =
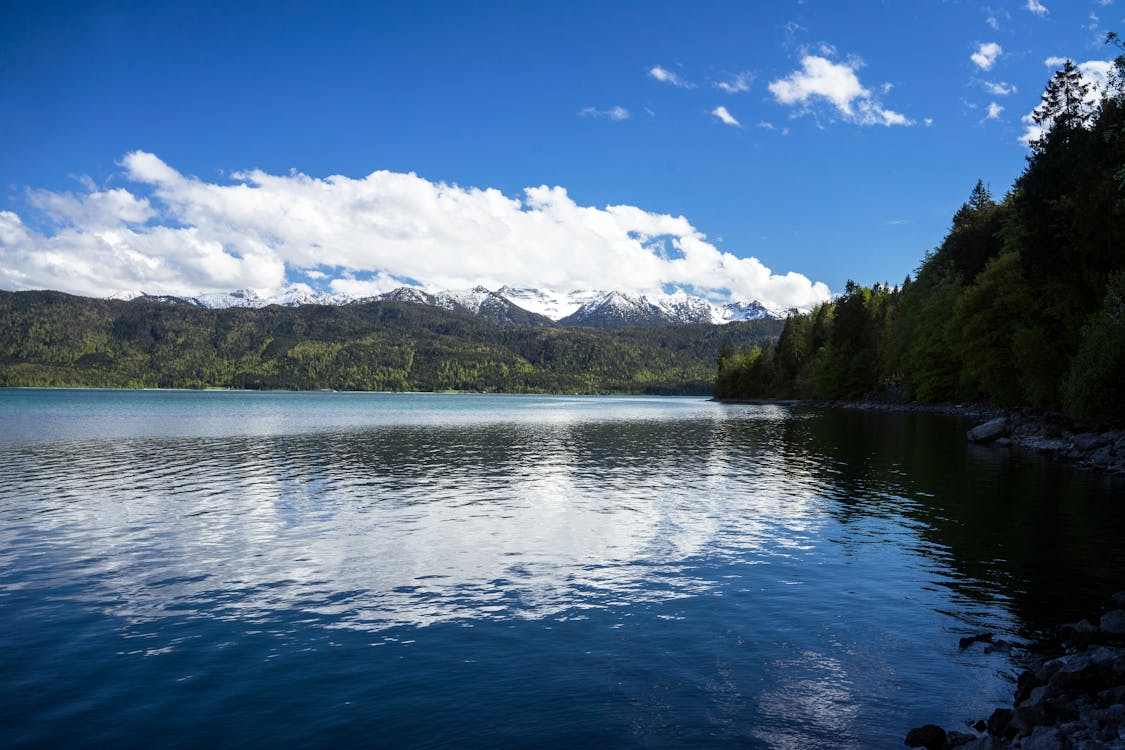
<point x="190" y="146"/>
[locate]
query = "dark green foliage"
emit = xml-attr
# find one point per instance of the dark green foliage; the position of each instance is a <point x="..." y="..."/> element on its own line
<point x="1094" y="391"/>
<point x="1022" y="303"/>
<point x="53" y="339"/>
<point x="988" y="318"/>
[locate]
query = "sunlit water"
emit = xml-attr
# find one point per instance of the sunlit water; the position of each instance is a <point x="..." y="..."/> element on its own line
<point x="276" y="570"/>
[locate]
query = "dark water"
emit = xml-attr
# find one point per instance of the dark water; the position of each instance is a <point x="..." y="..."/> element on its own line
<point x="321" y="570"/>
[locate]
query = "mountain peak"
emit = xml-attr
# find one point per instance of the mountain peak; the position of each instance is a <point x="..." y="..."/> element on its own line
<point x="510" y="305"/>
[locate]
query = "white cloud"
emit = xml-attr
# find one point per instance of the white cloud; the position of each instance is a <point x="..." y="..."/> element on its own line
<point x="738" y="84"/>
<point x="998" y="88"/>
<point x="616" y="114"/>
<point x="670" y="77"/>
<point x="725" y="117"/>
<point x="189" y="236"/>
<point x="837" y="83"/>
<point x="1036" y="7"/>
<point x="986" y="54"/>
<point x="994" y="111"/>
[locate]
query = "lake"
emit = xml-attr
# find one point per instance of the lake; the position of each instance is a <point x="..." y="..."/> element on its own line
<point x="234" y="569"/>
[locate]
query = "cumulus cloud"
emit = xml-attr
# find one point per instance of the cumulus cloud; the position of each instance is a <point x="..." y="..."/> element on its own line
<point x="820" y="79"/>
<point x="986" y="54"/>
<point x="724" y="116"/>
<point x="616" y="114"/>
<point x="994" y="111"/>
<point x="1095" y="74"/>
<point x="176" y="234"/>
<point x="670" y="77"/>
<point x="1036" y="7"/>
<point x="737" y="84"/>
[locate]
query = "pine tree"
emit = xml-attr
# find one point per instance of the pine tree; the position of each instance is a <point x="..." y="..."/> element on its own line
<point x="1064" y="108"/>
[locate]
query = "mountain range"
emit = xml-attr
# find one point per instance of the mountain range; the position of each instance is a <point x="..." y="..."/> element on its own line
<point x="510" y="306"/>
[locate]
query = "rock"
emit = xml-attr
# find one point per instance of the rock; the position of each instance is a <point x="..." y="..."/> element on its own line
<point x="1088" y="441"/>
<point x="959" y="739"/>
<point x="1047" y="670"/>
<point x="1045" y="444"/>
<point x="988" y="431"/>
<point x="1079" y="674"/>
<point x="1026" y="685"/>
<point x="1047" y="738"/>
<point x="980" y="725"/>
<point x="978" y="638"/>
<point x="1113" y="623"/>
<point x="1080" y="633"/>
<point x="1112" y="696"/>
<point x="1103" y="457"/>
<point x="930" y="736"/>
<point x="1000" y="722"/>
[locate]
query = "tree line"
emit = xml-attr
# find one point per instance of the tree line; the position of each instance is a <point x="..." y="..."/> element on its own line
<point x="55" y="339"/>
<point x="1023" y="302"/>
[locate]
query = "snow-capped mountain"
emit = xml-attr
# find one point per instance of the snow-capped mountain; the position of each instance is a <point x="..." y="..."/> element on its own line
<point x="485" y="304"/>
<point x="507" y="305"/>
<point x="554" y="305"/>
<point x="619" y="310"/>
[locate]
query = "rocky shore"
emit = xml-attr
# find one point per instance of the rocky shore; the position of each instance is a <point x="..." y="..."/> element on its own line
<point x="1071" y="697"/>
<point x="1056" y="436"/>
<point x="1045" y="433"/>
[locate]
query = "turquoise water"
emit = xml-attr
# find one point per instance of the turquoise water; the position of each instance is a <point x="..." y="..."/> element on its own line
<point x="411" y="570"/>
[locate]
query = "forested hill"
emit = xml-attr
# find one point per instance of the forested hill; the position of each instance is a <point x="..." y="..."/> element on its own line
<point x="1023" y="303"/>
<point x="54" y="339"/>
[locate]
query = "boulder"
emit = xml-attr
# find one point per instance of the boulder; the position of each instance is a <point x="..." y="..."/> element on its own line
<point x="1113" y="623"/>
<point x="1000" y="722"/>
<point x="989" y="431"/>
<point x="930" y="736"/>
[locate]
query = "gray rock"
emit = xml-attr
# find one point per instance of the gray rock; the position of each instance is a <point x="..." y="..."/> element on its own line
<point x="1045" y="444"/>
<point x="1113" y="622"/>
<point x="1080" y="633"/>
<point x="1102" y="457"/>
<point x="959" y="739"/>
<point x="1047" y="738"/>
<point x="1088" y="441"/>
<point x="999" y="723"/>
<point x="988" y="431"/>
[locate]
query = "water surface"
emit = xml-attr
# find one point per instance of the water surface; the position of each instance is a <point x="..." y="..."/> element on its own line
<point x="412" y="570"/>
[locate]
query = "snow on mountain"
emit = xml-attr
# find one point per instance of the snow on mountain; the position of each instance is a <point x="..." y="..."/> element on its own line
<point x="682" y="307"/>
<point x="126" y="295"/>
<point x="554" y="305"/>
<point x="408" y="294"/>
<point x="467" y="299"/>
<point x="240" y="298"/>
<point x="489" y="305"/>
<point x="754" y="310"/>
<point x="508" y="305"/>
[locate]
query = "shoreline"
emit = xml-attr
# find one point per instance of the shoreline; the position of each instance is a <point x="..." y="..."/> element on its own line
<point x="1021" y="429"/>
<point x="1071" y="696"/>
